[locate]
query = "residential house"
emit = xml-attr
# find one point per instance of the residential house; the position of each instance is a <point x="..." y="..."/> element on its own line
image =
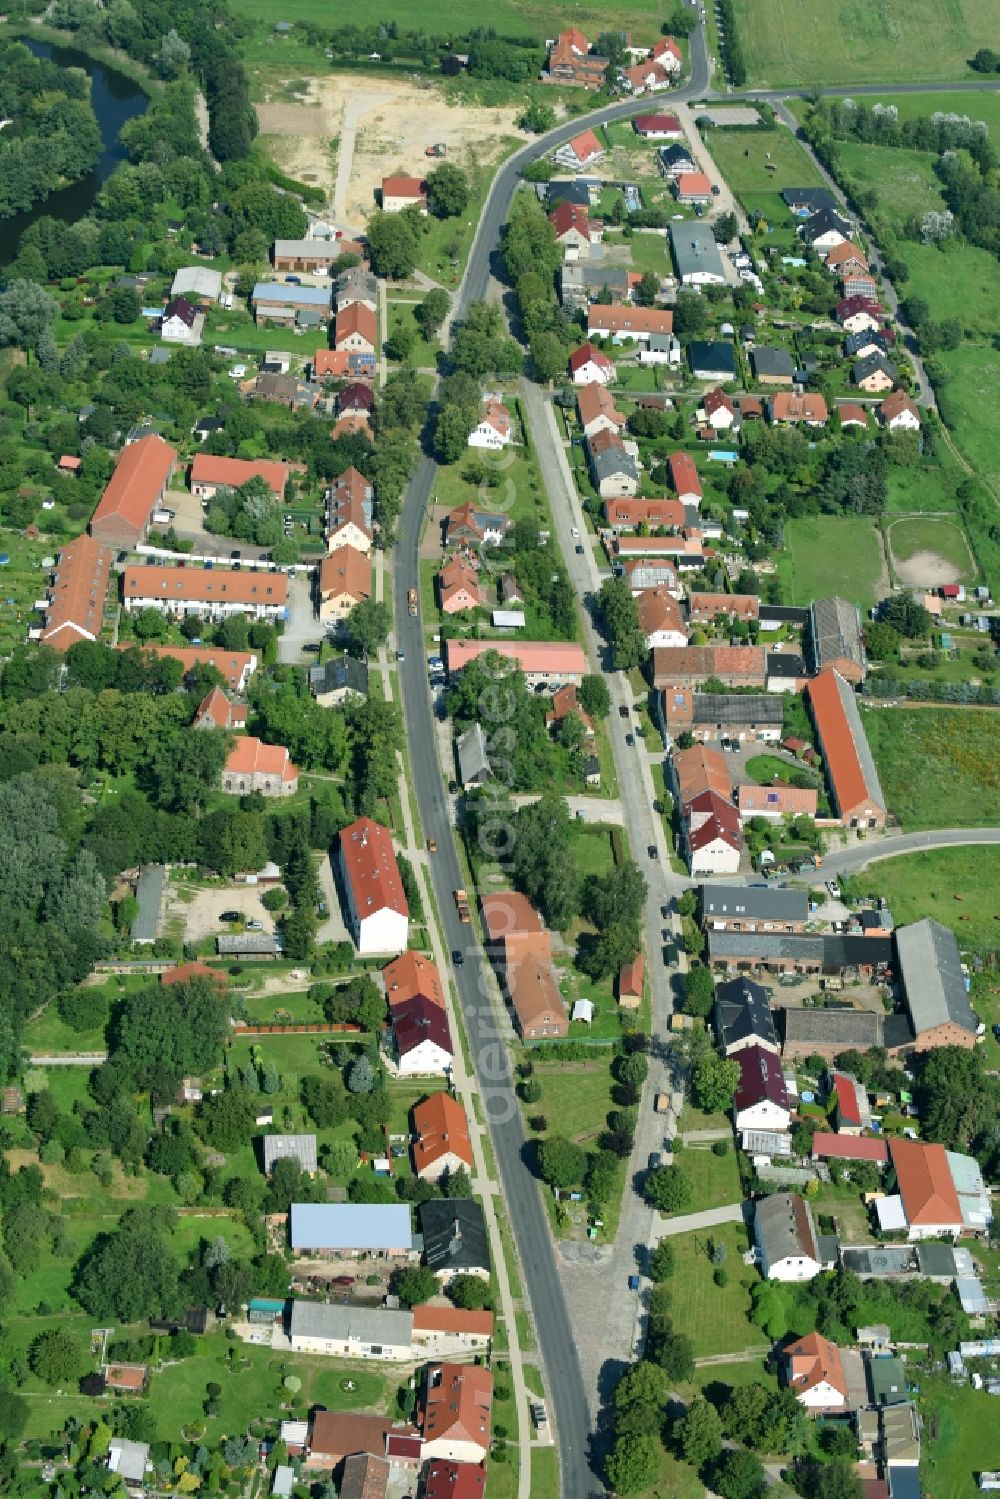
<point x="874" y="373"/>
<point x="377" y="910"/>
<point x="660" y="619"/>
<point x="350" y="503"/>
<point x="422" y="1038"/>
<point x="356" y="329"/>
<point x="699" y="263"/>
<point x="775" y="803"/>
<point x="589" y="364"/>
<point x="658" y="127"/>
<point x="597" y="410"/>
<point x="814" y="1371"/>
<point x="455" y="1238"/>
<point x="582" y="281"/>
<point x="850" y="768"/>
<point x="772" y="366"/>
<point x="237" y="667"/>
<point x="198" y="283"/>
<point x="572" y="63"/>
<point x="637" y="323"/>
<point x="706" y="608"/>
<point x="77" y="594"/>
<point x="711" y="837"/>
<point x="298" y="1148"/>
<point x="455" y="1412"/>
<point x="860" y="345"/>
<point x="824" y="230"/>
<point x="335" y="1436"/>
<point x="899" y="413"/>
<point x="311" y="255"/>
<point x="732" y="718"/>
<point x="566" y="190"/>
<point x="803" y="201"/>
<point x="356" y="285"/>
<point x="345" y="580"/>
<point x="448" y="1480"/>
<point x="646" y="77"/>
<point x="842" y="1147"/>
<point x="926" y="1203"/>
<point x="473" y="760"/>
<point x="835" y="640"/>
<point x="215" y="711"/>
<point x="357" y="396"/>
<point x="129" y="1460"/>
<point x="273" y="300"/>
<point x="212" y="593"/>
<point x="521" y="950"/>
<point x="355" y="1229"/>
<point x="846" y="257"/>
<point x="630" y="514"/>
<point x="761" y="1100"/>
<point x="583" y="151"/>
<point x="683" y="551"/>
<point x="182" y="323"/>
<point x="720" y="412"/>
<point x="255" y="766"/>
<point x="789" y="408"/>
<point x="851" y="1112"/>
<point x="754" y="908"/>
<point x="851" y="415"/>
<point x="712" y="361"/>
<point x="857" y="284"/>
<point x="693" y="187"/>
<point x="399" y="192"/>
<point x="282" y="390"/>
<point x="365" y="1476"/>
<point x="612" y="467"/>
<point x="648" y="572"/>
<point x="671" y="161"/>
<point x="469" y="526"/>
<point x="539" y="1011"/>
<point x="631" y="983"/>
<point x="494" y="430"/>
<point x="690" y="666"/>
<point x="934" y="986"/>
<point x="546" y="663"/>
<point x="661" y="348"/>
<point x="856" y="314"/>
<point x="668" y="54"/>
<point x="209" y="474"/>
<point x="444" y="1331"/>
<point x="575" y="230"/>
<point x="684" y="478"/>
<point x="135" y="489"/>
<point x="442" y="1145"/>
<point x="338" y="679"/>
<point x="785" y="1236"/>
<point x="564" y="703"/>
<point x="412" y="976"/>
<point x="742" y="1017"/>
<point x="458" y="585"/>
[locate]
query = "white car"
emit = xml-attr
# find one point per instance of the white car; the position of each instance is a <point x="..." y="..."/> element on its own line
<point x="833" y="888"/>
<point x="237" y="371"/>
<point x="575" y="533"/>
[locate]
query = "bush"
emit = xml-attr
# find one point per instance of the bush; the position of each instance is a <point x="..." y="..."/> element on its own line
<point x="720" y="1148"/>
<point x="720" y="1276"/>
<point x="274" y="899"/>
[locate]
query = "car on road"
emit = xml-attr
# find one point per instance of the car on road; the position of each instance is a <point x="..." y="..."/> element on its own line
<point x="457" y="957"/>
<point x="400" y="656"/>
<point x="833" y="888"/>
<point x="575" y="532"/>
<point x="653" y="851"/>
<point x="623" y="711"/>
<point x="432" y="846"/>
<point x="321" y="908"/>
<point x="654" y="1160"/>
<point x="630" y="740"/>
<point x="231" y="916"/>
<point x="578" y="550"/>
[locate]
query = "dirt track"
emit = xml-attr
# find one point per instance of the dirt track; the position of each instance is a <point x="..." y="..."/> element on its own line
<point x="380" y="126"/>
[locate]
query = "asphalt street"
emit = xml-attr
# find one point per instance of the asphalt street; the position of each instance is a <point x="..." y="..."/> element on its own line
<point x="850" y="860"/>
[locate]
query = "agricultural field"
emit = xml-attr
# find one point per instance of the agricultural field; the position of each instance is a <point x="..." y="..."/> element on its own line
<point x="510" y="18"/>
<point x="757" y="164"/>
<point x="930" y="550"/>
<point x="787" y="43"/>
<point x="960" y="887"/>
<point x="939" y="767"/>
<point x="832" y="554"/>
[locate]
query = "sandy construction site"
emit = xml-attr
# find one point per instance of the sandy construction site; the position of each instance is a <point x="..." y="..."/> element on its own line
<point x="349" y="131"/>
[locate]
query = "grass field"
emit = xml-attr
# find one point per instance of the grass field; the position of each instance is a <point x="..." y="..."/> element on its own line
<point x="458" y="17"/>
<point x="929" y="487"/>
<point x="714" y="1318"/>
<point x="715" y="1179"/>
<point x="959" y="887"/>
<point x="968" y="406"/>
<point x="830" y="554"/>
<point x="944" y="538"/>
<point x="983" y="105"/>
<point x="939" y="767"/>
<point x="903" y="180"/>
<point x="959" y="1439"/>
<point x="766" y="769"/>
<point x="743" y="157"/>
<point x="576" y="1098"/>
<point x="786" y="42"/>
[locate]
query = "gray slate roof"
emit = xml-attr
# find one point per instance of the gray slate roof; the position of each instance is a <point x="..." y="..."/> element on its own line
<point x="695" y="249"/>
<point x="316" y="1319"/>
<point x="454" y="1232"/>
<point x="772" y="362"/>
<point x="862" y="368"/>
<point x="754" y="902"/>
<point x="743" y="1013"/>
<point x="931" y="969"/>
<point x="606" y="462"/>
<point x="833" y="1027"/>
<point x="473" y="761"/>
<point x="299" y="1148"/>
<point x="821" y="222"/>
<point x="813" y="198"/>
<point x="728" y="708"/>
<point x="341" y="673"/>
<point x="835" y="632"/>
<point x="783" y="1226"/>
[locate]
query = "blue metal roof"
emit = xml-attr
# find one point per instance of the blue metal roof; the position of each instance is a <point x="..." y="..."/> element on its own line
<point x="373" y="1226"/>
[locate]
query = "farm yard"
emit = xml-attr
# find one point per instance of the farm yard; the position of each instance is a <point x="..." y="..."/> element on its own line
<point x="788" y="43"/>
<point x="939" y="767"/>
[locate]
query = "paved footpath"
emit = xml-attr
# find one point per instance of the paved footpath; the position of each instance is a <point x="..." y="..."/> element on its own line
<point x="689" y="1222"/>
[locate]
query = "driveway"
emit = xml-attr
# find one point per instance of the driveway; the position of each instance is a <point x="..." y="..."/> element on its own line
<point x="201" y="910"/>
<point x="302" y="627"/>
<point x="710" y="1218"/>
<point x="331" y="928"/>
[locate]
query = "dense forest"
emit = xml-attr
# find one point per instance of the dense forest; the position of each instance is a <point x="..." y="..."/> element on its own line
<point x="50" y="134"/>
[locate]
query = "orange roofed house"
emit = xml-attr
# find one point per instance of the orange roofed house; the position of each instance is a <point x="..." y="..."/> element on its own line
<point x="212" y="592"/>
<point x="850" y="768"/>
<point x="689" y="666"/>
<point x="215" y="711"/>
<point x="456" y="1411"/>
<point x="458" y="586"/>
<point x="631" y="979"/>
<point x="356" y="329"/>
<point x="403" y="192"/>
<point x="236" y="666"/>
<point x="185" y="972"/>
<point x="814" y="1372"/>
<point x="584" y="150"/>
<point x="77" y="594"/>
<point x="255" y="766"/>
<point x="134" y="491"/>
<point x="345" y="579"/>
<point x="377" y="909"/>
<point x="572" y="63"/>
<point x="442" y="1143"/>
<point x="412" y="976"/>
<point x="521" y="950"/>
<point x="938" y="1192"/>
<point x="209" y="474"/>
<point x="626" y="321"/>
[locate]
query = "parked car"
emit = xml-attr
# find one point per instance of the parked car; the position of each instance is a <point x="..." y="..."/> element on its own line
<point x="623" y="712"/>
<point x="231" y="916"/>
<point x="254" y="926"/>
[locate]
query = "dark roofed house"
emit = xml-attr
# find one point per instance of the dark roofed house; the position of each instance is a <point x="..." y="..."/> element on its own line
<point x="786" y="1238"/>
<point x="455" y="1238"/>
<point x="743" y="1017"/>
<point x="339" y="678"/>
<point x="808" y="199"/>
<point x="761" y="1100"/>
<point x="753" y="908"/>
<point x="937" y="1001"/>
<point x="365" y="1476"/>
<point x="824" y="229"/>
<point x="772" y="366"/>
<point x="712" y="360"/>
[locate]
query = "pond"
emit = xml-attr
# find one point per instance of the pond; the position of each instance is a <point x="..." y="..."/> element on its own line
<point x="115" y="99"/>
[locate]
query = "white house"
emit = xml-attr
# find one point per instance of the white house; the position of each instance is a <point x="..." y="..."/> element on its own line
<point x="589" y="364"/>
<point x="761" y="1100"/>
<point x="351" y="1331"/>
<point x="785" y="1236"/>
<point x="814" y="1371"/>
<point x="423" y="1038"/>
<point x="182" y="323"/>
<point x="899" y="413"/>
<point x="662" y="348"/>
<point x="493" y="430"/>
<point x="378" y="915"/>
<point x="668" y="54"/>
<point x="660" y="618"/>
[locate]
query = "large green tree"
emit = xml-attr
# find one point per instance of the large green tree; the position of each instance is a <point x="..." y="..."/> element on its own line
<point x="132" y="1272"/>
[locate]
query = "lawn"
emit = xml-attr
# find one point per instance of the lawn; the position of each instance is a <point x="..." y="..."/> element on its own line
<point x="929" y="486"/>
<point x="959" y="887"/>
<point x="715" y="1179"/>
<point x="544" y="1473"/>
<point x="766" y="769"/>
<point x="736" y="1375"/>
<point x="423" y="355"/>
<point x="714" y="1318"/>
<point x="744" y="156"/>
<point x="830" y="554"/>
<point x="576" y="1098"/>
<point x="904" y="181"/>
<point x="959" y="1438"/>
<point x="939" y="767"/>
<point x="788" y="43"/>
<point x="944" y="539"/>
<point x="984" y="104"/>
<point x="967" y="403"/>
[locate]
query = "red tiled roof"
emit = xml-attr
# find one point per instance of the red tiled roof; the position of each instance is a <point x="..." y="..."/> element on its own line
<point x="585" y="145"/>
<point x="656" y="124"/>
<point x="330" y="362"/>
<point x="530" y="655"/>
<point x="442" y="1129"/>
<point x="223" y="713"/>
<point x="701" y="769"/>
<point x="445" y="1479"/>
<point x="925" y="1183"/>
<point x="788" y="406"/>
<point x="843" y="762"/>
<point x="403" y="187"/>
<point x="684" y="474"/>
<point x="717" y="400"/>
<point x="694" y="185"/>
<point x="659" y="610"/>
<point x="410" y="975"/>
<point x="370" y="868"/>
<point x="634" y="512"/>
<point x="566" y="216"/>
<point x="419" y="1020"/>
<point x="796" y="801"/>
<point x="628" y="319"/>
<point x="814" y="1360"/>
<point x="589" y="354"/>
<point x="234" y="665"/>
<point x="134" y="488"/>
<point x="631" y="977"/>
<point x="356" y="317"/>
<point x="207" y="469"/>
<point x="250" y="756"/>
<point x="345" y="570"/>
<point x="849" y="1148"/>
<point x="457" y="1404"/>
<point x="184" y="972"/>
<point x="850" y="411"/>
<point x="596" y="400"/>
<point x="896" y="403"/>
<point x="847" y="1099"/>
<point x="78" y="596"/>
<point x="452" y="1318"/>
<point x="220" y="585"/>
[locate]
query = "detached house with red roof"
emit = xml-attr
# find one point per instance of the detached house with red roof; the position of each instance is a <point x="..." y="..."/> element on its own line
<point x="572" y="63"/>
<point x="255" y="766"/>
<point x="761" y="1100"/>
<point x="939" y="1192"/>
<point x="575" y="230"/>
<point x="583" y="151"/>
<point x="458" y="586"/>
<point x="814" y="1372"/>
<point x="668" y="54"/>
<point x="494" y="430"/>
<point x="217" y="712"/>
<point x="646" y="77"/>
<point x="443" y="1144"/>
<point x="899" y="413"/>
<point x="455" y="1412"/>
<point x="588" y="364"/>
<point x="448" y="1480"/>
<point x="378" y="915"/>
<point x="209" y="474"/>
<point x="684" y="478"/>
<point x="400" y="192"/>
<point x="658" y="127"/>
